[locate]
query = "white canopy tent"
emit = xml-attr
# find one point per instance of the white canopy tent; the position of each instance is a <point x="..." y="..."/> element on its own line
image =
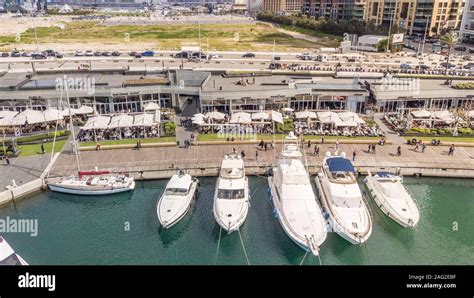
<point x="65" y="112"/>
<point x="52" y="115"/>
<point x="305" y="115"/>
<point x="260" y="116"/>
<point x="121" y="121"/>
<point x="151" y="106"/>
<point x="276" y="117"/>
<point x="351" y="117"/>
<point x="84" y="110"/>
<point x="215" y="115"/>
<point x="6" y="117"/>
<point x="328" y="118"/>
<point x="144" y="120"/>
<point x="28" y="117"/>
<point x="421" y="113"/>
<point x="240" y="118"/>
<point x="470" y="114"/>
<point x="97" y="122"/>
<point x="443" y="115"/>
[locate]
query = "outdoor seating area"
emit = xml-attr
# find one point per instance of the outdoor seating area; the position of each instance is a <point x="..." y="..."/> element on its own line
<point x="306" y="122"/>
<point x="121" y="126"/>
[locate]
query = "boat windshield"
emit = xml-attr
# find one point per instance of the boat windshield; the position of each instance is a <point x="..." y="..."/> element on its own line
<point x="341" y="176"/>
<point x="230" y="194"/>
<point x="232" y="173"/>
<point x="176" y="191"/>
<point x="11" y="260"/>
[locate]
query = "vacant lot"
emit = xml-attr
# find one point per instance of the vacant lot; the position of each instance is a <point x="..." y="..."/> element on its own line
<point x="83" y="35"/>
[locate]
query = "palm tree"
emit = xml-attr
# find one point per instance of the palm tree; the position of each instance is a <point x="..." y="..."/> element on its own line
<point x="450" y="39"/>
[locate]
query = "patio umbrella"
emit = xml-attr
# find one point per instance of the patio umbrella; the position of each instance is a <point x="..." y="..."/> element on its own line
<point x="215" y="115"/>
<point x="52" y="115"/>
<point x="240" y="118"/>
<point x="260" y="116"/>
<point x="151" y="106"/>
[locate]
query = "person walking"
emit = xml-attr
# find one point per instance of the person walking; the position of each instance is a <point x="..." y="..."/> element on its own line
<point x="42" y="147"/>
<point x="322" y="140"/>
<point x="256" y="156"/>
<point x="309" y="144"/>
<point x="354" y="155"/>
<point x="233" y="150"/>
<point x="242" y="154"/>
<point x="7" y="160"/>
<point x="399" y="151"/>
<point x="316" y="150"/>
<point x="337" y="144"/>
<point x="451" y="150"/>
<point x="423" y="147"/>
<point x="368" y="149"/>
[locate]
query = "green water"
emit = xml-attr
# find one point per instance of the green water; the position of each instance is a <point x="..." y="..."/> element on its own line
<point x="92" y="230"/>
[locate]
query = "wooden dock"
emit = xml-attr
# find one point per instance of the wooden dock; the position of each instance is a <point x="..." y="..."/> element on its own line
<point x="205" y="160"/>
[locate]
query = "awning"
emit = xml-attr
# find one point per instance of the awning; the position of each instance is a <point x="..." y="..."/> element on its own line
<point x="305" y="115"/>
<point x="276" y="116"/>
<point x="144" y="119"/>
<point x="84" y="110"/>
<point x="151" y="106"/>
<point x="421" y="114"/>
<point x="52" y="115"/>
<point x="351" y="117"/>
<point x="121" y="121"/>
<point x="215" y="115"/>
<point x="28" y="117"/>
<point x="328" y="117"/>
<point x="240" y="118"/>
<point x="260" y="116"/>
<point x="97" y="122"/>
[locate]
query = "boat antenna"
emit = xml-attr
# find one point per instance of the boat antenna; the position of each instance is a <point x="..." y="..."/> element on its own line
<point x="74" y="144"/>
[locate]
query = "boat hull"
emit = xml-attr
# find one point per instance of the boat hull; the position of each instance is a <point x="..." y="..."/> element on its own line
<point x="276" y="205"/>
<point x="75" y="191"/>
<point x="382" y="204"/>
<point x="336" y="227"/>
<point x="180" y="215"/>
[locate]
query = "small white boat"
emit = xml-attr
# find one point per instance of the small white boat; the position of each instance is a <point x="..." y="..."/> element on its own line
<point x="8" y="255"/>
<point x="393" y="198"/>
<point x="340" y="195"/>
<point x="92" y="183"/>
<point x="295" y="203"/>
<point x="176" y="199"/>
<point x="231" y="197"/>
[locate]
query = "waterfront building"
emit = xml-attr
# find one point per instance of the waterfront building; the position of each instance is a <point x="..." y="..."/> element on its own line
<point x="369" y="42"/>
<point x="282" y="5"/>
<point x="336" y="10"/>
<point x="467" y="24"/>
<point x="414" y="16"/>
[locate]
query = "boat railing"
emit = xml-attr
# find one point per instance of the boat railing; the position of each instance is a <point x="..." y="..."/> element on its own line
<point x="412" y="197"/>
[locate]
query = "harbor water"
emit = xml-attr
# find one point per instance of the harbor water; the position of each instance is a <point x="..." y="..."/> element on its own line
<point x="124" y="229"/>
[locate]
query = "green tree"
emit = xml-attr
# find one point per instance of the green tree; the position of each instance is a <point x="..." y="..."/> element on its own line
<point x="449" y="39"/>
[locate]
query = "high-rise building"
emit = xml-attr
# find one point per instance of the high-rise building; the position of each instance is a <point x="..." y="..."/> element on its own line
<point x="335" y="9"/>
<point x="467" y="24"/>
<point x="282" y="5"/>
<point x="416" y="16"/>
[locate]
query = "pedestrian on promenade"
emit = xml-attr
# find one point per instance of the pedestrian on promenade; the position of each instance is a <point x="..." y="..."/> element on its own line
<point x="368" y="149"/>
<point x="337" y="144"/>
<point x="7" y="160"/>
<point x="266" y="146"/>
<point x="451" y="150"/>
<point x="309" y="144"/>
<point x="354" y="155"/>
<point x="316" y="150"/>
<point x="256" y="156"/>
<point x="423" y="147"/>
<point x="233" y="150"/>
<point x="322" y="140"/>
<point x="373" y="148"/>
<point x="42" y="147"/>
<point x="97" y="147"/>
<point x="399" y="150"/>
<point x="262" y="143"/>
<point x="242" y="154"/>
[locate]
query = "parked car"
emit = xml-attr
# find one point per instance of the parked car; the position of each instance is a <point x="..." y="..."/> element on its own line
<point x="116" y="53"/>
<point x="277" y="58"/>
<point x="198" y="55"/>
<point x="133" y="53"/>
<point x="89" y="53"/>
<point x="422" y="67"/>
<point x="58" y="55"/>
<point x="106" y="54"/>
<point x="450" y="65"/>
<point x="148" y="54"/>
<point x="274" y="66"/>
<point x="138" y="55"/>
<point x="213" y="56"/>
<point x="38" y="56"/>
<point x="15" y="54"/>
<point x="97" y="53"/>
<point x="5" y="54"/>
<point x="471" y="50"/>
<point x="248" y="55"/>
<point x="79" y="53"/>
<point x="50" y="53"/>
<point x="183" y="55"/>
<point x="26" y="54"/>
<point x="405" y="66"/>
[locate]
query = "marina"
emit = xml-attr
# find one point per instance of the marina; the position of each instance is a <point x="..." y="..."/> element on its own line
<point x="95" y="230"/>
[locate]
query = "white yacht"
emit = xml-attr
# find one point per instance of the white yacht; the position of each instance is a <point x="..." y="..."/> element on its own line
<point x="8" y="255"/>
<point x="231" y="198"/>
<point x="175" y="201"/>
<point x="92" y="183"/>
<point x="393" y="198"/>
<point x="294" y="200"/>
<point x="340" y="195"/>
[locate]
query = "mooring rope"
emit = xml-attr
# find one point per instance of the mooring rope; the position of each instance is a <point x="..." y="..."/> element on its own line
<point x="304" y="257"/>
<point x="218" y="244"/>
<point x="366" y="253"/>
<point x="243" y="246"/>
<point x="319" y="258"/>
